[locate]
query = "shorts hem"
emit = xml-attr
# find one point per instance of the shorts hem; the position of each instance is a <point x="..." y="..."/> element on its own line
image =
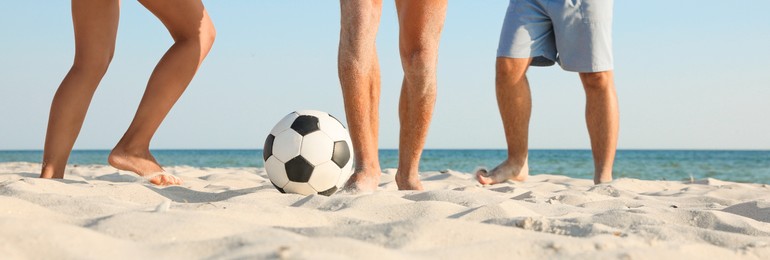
<point x="588" y="69"/>
<point x="516" y="56"/>
<point x="538" y="60"/>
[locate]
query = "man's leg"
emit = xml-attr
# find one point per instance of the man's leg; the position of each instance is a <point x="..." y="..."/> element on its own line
<point x="420" y="24"/>
<point x="515" y="103"/>
<point x="359" y="74"/>
<point x="602" y="118"/>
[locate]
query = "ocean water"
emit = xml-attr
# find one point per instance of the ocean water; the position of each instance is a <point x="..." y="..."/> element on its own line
<point x="739" y="166"/>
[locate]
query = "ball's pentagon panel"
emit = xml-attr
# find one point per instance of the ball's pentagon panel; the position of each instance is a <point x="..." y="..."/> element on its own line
<point x="341" y="153"/>
<point x="305" y="124"/>
<point x="298" y="169"/>
<point x="268" y="149"/>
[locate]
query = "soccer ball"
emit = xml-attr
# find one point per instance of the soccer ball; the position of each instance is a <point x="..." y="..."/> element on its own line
<point x="308" y="152"/>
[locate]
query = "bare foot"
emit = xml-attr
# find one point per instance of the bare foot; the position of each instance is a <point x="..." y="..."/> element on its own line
<point x="48" y="171"/>
<point x="143" y="164"/>
<point x="363" y="181"/>
<point x="408" y="181"/>
<point x="602" y="179"/>
<point x="501" y="173"/>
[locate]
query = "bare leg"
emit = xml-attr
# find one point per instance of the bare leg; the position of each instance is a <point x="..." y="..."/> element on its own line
<point x="602" y="118"/>
<point x="420" y="24"/>
<point x="96" y="24"/>
<point x="359" y="74"/>
<point x="515" y="103"/>
<point x="193" y="33"/>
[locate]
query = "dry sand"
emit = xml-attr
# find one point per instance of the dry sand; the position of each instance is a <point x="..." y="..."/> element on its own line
<point x="97" y="212"/>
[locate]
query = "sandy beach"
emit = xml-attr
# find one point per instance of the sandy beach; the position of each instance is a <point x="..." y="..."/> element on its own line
<point x="97" y="212"/>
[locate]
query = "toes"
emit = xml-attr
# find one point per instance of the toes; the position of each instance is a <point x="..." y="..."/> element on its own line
<point x="169" y="180"/>
<point x="165" y="180"/>
<point x="178" y="180"/>
<point x="157" y="180"/>
<point x="481" y="176"/>
<point x="484" y="180"/>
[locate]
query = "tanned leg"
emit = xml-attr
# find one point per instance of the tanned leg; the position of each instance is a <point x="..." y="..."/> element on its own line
<point x="95" y="23"/>
<point x="515" y="103"/>
<point x="193" y="32"/>
<point x="602" y="118"/>
<point x="420" y="25"/>
<point x="359" y="74"/>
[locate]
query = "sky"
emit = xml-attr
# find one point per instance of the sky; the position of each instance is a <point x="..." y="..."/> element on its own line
<point x="689" y="75"/>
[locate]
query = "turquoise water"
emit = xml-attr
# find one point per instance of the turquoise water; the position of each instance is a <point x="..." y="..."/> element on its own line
<point x="740" y="166"/>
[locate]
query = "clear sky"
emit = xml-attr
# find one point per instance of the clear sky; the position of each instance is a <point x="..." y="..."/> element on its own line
<point x="690" y="74"/>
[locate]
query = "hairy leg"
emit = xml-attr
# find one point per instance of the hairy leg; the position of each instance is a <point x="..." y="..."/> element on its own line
<point x="420" y="25"/>
<point x="515" y="103"/>
<point x="193" y="33"/>
<point x="96" y="24"/>
<point x="602" y="119"/>
<point x="359" y="74"/>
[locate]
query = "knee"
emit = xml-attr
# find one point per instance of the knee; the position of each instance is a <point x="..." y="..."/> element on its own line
<point x="93" y="62"/>
<point x="597" y="81"/>
<point x="203" y="35"/>
<point x="359" y="22"/>
<point x="503" y="72"/>
<point x="419" y="71"/>
<point x="419" y="63"/>
<point x="510" y="70"/>
<point x="358" y="36"/>
<point x="207" y="36"/>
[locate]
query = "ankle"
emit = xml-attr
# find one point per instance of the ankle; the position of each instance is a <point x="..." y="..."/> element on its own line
<point x="602" y="178"/>
<point x="516" y="162"/>
<point x="130" y="150"/>
<point x="49" y="171"/>
<point x="130" y="144"/>
<point x="407" y="175"/>
<point x="368" y="167"/>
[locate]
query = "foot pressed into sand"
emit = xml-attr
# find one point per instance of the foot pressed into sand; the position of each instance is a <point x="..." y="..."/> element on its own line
<point x="408" y="181"/>
<point x="503" y="172"/>
<point x="363" y="181"/>
<point x="143" y="164"/>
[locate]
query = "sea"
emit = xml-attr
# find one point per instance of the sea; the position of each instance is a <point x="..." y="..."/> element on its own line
<point x="729" y="165"/>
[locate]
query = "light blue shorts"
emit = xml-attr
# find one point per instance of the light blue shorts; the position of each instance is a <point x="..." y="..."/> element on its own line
<point x="575" y="33"/>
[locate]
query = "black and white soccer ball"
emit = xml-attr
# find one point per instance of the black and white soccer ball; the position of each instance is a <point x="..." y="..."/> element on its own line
<point x="308" y="152"/>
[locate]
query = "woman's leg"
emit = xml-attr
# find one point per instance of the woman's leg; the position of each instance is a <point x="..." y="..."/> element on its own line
<point x="193" y="32"/>
<point x="96" y="24"/>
